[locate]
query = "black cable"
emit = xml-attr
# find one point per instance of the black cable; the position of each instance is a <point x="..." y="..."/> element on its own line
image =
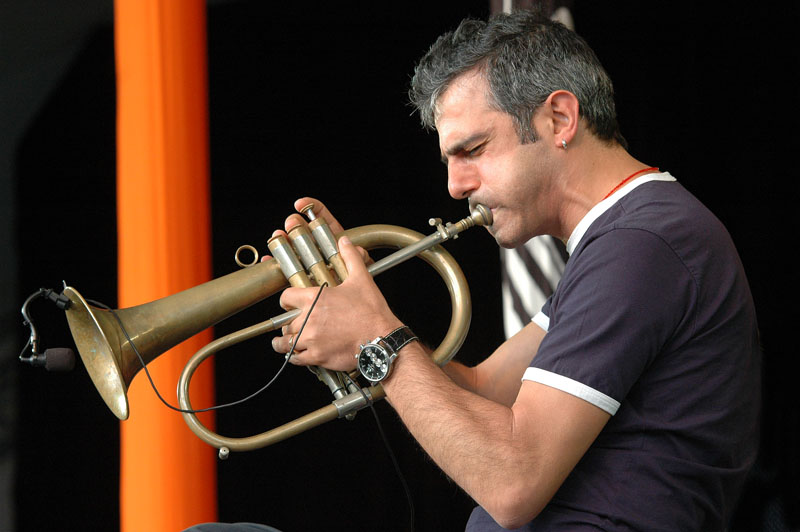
<point x="216" y="407"/>
<point x="386" y="444"/>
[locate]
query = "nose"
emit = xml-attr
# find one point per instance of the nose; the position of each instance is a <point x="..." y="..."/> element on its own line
<point x="462" y="180"/>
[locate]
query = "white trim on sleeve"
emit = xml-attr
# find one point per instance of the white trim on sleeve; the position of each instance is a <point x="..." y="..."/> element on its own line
<point x="572" y="387"/>
<point x="542" y="320"/>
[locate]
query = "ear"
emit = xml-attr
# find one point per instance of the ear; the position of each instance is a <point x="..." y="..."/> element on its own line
<point x="564" y="110"/>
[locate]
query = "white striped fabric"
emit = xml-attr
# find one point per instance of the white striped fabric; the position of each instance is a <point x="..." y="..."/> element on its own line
<point x="530" y="275"/>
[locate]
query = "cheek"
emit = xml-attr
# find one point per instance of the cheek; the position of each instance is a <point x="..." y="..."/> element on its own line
<point x="513" y="184"/>
<point x="508" y="178"/>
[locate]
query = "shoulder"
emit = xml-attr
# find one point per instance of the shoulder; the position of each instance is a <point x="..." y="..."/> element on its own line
<point x="672" y="216"/>
<point x="622" y="258"/>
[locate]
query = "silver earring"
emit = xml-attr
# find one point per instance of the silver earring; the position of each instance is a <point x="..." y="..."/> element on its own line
<point x="564" y="144"/>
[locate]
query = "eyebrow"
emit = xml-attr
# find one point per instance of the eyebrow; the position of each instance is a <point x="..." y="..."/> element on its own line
<point x="462" y="145"/>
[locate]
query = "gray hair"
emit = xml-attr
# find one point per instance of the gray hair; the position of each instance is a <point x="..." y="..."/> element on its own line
<point x="525" y="57"/>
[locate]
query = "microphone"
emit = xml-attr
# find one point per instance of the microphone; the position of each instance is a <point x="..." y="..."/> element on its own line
<point x="55" y="359"/>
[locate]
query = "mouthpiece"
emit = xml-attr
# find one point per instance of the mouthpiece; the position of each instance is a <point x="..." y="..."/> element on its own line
<point x="481" y="215"/>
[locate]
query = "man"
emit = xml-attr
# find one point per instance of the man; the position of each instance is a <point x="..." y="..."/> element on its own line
<point x="630" y="402"/>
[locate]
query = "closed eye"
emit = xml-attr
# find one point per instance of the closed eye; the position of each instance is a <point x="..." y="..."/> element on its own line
<point x="475" y="151"/>
<point x="461" y="149"/>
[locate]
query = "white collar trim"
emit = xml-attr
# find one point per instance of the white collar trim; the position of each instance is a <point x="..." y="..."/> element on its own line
<point x="603" y="206"/>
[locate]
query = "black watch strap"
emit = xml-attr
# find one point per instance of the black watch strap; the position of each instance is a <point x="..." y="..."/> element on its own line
<point x="398" y="338"/>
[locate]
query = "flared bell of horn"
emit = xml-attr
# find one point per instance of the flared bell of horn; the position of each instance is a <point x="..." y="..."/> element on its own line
<point x="157" y="326"/>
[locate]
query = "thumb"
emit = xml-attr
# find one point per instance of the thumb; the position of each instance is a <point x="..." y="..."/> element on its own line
<point x="351" y="256"/>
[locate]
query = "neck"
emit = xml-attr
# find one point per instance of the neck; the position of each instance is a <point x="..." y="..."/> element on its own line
<point x="589" y="177"/>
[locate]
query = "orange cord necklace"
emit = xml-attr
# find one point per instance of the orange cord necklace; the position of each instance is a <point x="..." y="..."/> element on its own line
<point x="628" y="179"/>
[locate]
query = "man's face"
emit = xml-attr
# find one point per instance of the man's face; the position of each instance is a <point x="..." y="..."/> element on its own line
<point x="487" y="163"/>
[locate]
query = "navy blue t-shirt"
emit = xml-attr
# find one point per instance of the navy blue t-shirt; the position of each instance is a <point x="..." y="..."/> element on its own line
<point x="653" y="322"/>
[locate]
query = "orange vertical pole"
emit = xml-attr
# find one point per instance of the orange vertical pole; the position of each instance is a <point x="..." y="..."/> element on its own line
<point x="168" y="476"/>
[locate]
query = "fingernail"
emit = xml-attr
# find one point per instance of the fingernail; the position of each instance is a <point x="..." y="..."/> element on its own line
<point x="274" y="346"/>
<point x="345" y="240"/>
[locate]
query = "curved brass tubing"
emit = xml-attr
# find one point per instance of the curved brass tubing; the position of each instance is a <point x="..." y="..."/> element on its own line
<point x="369" y="237"/>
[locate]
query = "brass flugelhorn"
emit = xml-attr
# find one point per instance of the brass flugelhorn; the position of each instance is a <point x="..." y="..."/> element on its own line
<point x="104" y="337"/>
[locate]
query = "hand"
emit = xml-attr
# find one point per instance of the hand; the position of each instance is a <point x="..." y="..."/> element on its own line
<point x="344" y="317"/>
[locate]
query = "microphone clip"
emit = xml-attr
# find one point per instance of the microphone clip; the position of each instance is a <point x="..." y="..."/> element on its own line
<point x="57" y="359"/>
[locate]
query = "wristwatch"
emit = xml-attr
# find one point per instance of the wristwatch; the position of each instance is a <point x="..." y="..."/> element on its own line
<point x="374" y="361"/>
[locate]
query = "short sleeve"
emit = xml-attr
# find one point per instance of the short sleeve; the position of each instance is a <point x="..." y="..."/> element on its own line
<point x="622" y="298"/>
<point x="542" y="318"/>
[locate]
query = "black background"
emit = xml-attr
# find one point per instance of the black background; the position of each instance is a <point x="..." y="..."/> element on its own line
<point x="312" y="102"/>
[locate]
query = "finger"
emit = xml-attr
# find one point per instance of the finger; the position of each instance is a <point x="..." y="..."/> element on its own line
<point x="275" y="233"/>
<point x="292" y="221"/>
<point x="354" y="256"/>
<point x="295" y="297"/>
<point x="286" y="299"/>
<point x="282" y="344"/>
<point x="289" y="346"/>
<point x="295" y="359"/>
<point x="365" y="256"/>
<point x="289" y="332"/>
<point x="320" y="210"/>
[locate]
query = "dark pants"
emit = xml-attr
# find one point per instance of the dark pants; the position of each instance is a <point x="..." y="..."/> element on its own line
<point x="231" y="527"/>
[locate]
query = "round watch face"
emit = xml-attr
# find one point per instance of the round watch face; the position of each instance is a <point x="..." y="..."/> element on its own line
<point x="373" y="362"/>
